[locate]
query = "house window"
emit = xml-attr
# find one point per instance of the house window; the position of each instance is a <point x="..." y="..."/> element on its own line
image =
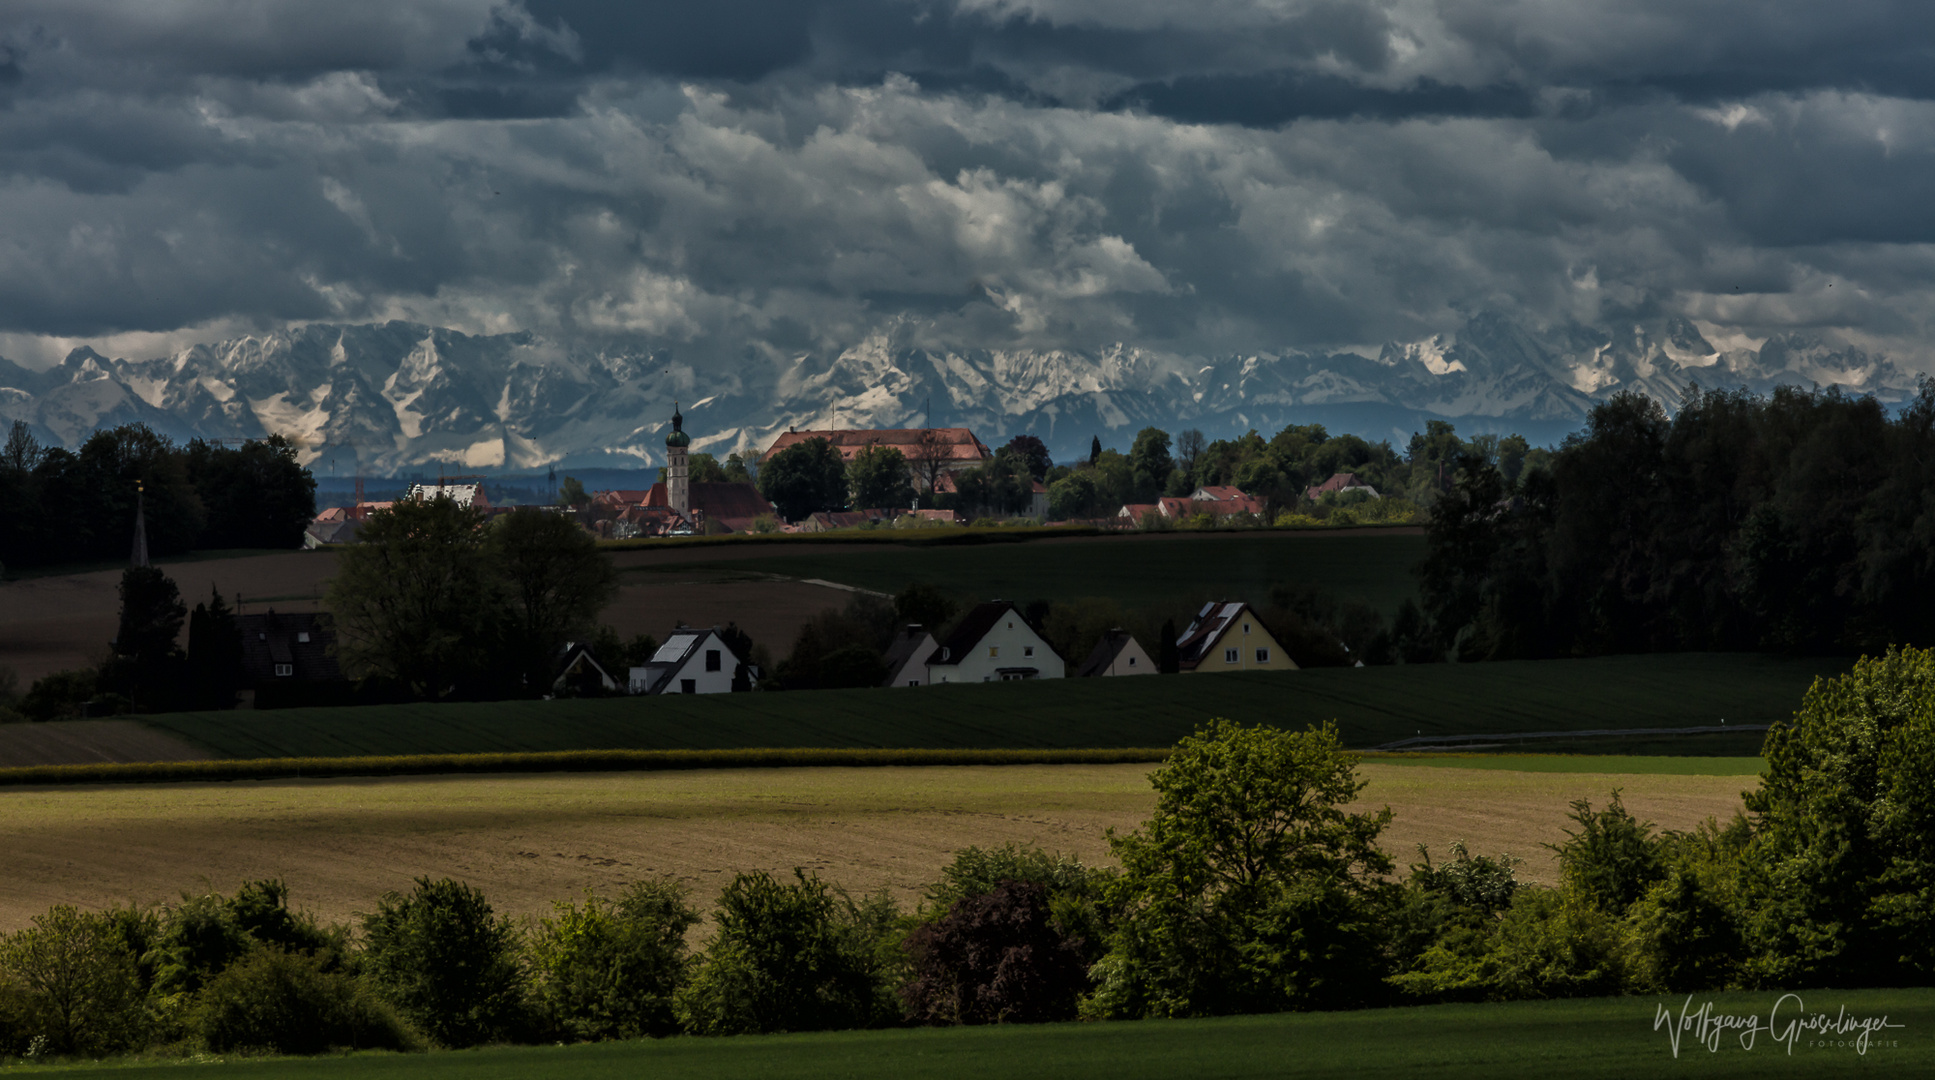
<point x="712" y="659"/>
<point x="688" y="686"/>
<point x="994" y="651"/>
<point x="283" y="670"/>
<point x="1229" y="656"/>
<point x="913" y="682"/>
<point x="1246" y="628"/>
<point x="302" y="636"/>
<point x="1263" y="656"/>
<point x="1131" y="661"/>
<point x="1027" y="650"/>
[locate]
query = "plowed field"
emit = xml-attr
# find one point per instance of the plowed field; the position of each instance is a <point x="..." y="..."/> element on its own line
<point x="527" y="840"/>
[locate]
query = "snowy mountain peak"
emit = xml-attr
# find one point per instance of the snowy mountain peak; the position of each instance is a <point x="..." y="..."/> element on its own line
<point x="386" y="397"/>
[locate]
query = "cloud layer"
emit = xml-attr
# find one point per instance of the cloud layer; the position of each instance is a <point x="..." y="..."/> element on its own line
<point x="745" y="181"/>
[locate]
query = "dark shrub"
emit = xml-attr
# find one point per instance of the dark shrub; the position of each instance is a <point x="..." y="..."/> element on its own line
<point x="446" y="961"/>
<point x="285" y="1003"/>
<point x="786" y="958"/>
<point x="609" y="970"/>
<point x="995" y="958"/>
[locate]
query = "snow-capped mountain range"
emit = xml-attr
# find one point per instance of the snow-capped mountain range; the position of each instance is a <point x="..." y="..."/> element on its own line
<point x="380" y="399"/>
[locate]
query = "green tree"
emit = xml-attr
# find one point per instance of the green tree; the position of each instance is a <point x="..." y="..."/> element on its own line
<point x="797" y="957"/>
<point x="925" y="604"/>
<point x="77" y="982"/>
<point x="1150" y="462"/>
<point x="148" y="666"/>
<point x="416" y="600"/>
<point x="1840" y="881"/>
<point x="1250" y="889"/>
<point x="805" y="478"/>
<point x="610" y="969"/>
<point x="1075" y="496"/>
<point x="557" y="581"/>
<point x="572" y="492"/>
<point x="1034" y="453"/>
<point x="257" y="495"/>
<point x="214" y="653"/>
<point x="878" y="479"/>
<point x="447" y="962"/>
<point x="738" y="469"/>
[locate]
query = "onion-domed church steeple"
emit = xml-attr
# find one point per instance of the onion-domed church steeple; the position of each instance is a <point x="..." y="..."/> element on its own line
<point x="678" y="486"/>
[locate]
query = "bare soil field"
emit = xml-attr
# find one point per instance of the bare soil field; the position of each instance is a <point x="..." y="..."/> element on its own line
<point x="50" y="624"/>
<point x="79" y="742"/>
<point x="529" y="840"/>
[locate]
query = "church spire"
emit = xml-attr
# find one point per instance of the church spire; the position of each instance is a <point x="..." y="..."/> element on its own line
<point x="140" y="554"/>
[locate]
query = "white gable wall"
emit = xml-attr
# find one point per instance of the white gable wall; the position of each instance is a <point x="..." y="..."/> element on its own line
<point x="702" y="659"/>
<point x="1012" y="643"/>
<point x="1132" y="660"/>
<point x="914" y="671"/>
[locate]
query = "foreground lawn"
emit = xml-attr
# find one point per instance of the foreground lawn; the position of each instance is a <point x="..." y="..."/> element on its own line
<point x="1371" y="706"/>
<point x="1599" y="1038"/>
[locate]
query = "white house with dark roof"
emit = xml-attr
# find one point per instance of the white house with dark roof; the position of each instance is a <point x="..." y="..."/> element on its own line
<point x="907" y="657"/>
<point x="690" y="662"/>
<point x="1118" y="653"/>
<point x="994" y="643"/>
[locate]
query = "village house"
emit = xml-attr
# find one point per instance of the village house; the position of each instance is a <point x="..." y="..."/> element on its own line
<point x="1118" y="653"/>
<point x="286" y="656"/>
<point x="1227" y="636"/>
<point x="580" y="672"/>
<point x="994" y="643"/>
<point x="466" y="495"/>
<point x="693" y="662"/>
<point x="1225" y="501"/>
<point x="907" y="657"/>
<point x="1338" y="484"/>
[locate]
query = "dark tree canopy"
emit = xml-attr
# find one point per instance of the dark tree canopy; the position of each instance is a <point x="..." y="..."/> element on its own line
<point x="880" y="479"/>
<point x="1034" y="452"/>
<point x="805" y="478"/>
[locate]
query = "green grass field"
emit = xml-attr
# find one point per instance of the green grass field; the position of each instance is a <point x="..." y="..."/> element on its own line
<point x="1558" y="1039"/>
<point x="1179" y="570"/>
<point x="1371" y="706"/>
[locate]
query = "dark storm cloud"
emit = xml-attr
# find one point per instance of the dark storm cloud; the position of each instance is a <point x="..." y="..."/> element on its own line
<point x="761" y="177"/>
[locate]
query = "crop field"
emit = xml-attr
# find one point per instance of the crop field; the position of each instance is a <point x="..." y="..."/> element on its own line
<point x="1371" y="706"/>
<point x="1178" y="570"/>
<point x="1562" y="1040"/>
<point x="527" y="840"/>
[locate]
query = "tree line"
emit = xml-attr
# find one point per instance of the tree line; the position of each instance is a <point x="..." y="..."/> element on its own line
<point x="61" y="506"/>
<point x="1252" y="887"/>
<point x="1798" y="521"/>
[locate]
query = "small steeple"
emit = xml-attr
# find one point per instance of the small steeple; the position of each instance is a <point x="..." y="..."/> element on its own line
<point x="140" y="555"/>
<point x="678" y="437"/>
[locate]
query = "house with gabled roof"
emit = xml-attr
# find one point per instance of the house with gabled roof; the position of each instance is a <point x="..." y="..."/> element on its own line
<point x="994" y="643"/>
<point x="578" y="672"/>
<point x="692" y="662"/>
<point x="1227" y="636"/>
<point x="1118" y="653"/>
<point x="907" y="657"/>
<point x="1338" y="484"/>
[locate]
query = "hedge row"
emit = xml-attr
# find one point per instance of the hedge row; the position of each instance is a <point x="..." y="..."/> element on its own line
<point x="558" y="761"/>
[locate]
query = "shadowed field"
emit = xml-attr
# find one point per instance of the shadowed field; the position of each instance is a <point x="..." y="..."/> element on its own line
<point x="529" y="840"/>
<point x="1371" y="706"/>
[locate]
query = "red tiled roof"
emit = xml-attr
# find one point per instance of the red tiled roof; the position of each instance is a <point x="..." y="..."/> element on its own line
<point x="1136" y="511"/>
<point x="722" y="501"/>
<point x="1337" y="482"/>
<point x="960" y="444"/>
<point x="1219" y="492"/>
<point x="1210" y="622"/>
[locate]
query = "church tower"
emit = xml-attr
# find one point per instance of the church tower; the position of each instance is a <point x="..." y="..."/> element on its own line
<point x="678" y="483"/>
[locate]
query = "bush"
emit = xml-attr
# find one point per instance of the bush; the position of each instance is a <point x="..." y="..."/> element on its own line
<point x="610" y="970"/>
<point x="443" y="958"/>
<point x="71" y="979"/>
<point x="995" y="957"/>
<point x="1551" y="943"/>
<point x="285" y="1003"/>
<point x="1249" y="889"/>
<point x="1612" y="859"/>
<point x="787" y="958"/>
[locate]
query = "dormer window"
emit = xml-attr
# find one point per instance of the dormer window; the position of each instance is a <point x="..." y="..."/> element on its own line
<point x="1027" y="650"/>
<point x="994" y="651"/>
<point x="302" y="637"/>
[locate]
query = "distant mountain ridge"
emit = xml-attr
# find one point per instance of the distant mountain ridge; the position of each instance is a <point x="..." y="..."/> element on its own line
<point x="385" y="398"/>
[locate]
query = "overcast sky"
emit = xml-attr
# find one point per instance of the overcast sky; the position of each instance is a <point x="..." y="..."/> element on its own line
<point x="748" y="178"/>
